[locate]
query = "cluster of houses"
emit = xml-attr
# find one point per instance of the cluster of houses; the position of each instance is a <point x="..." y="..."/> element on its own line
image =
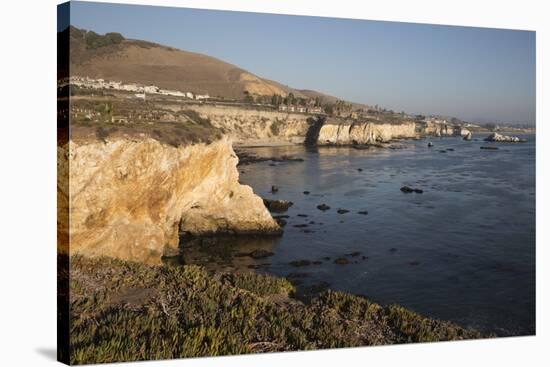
<point x="300" y="109"/>
<point x="140" y="90"/>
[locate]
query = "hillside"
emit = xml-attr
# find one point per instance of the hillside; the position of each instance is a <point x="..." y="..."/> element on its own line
<point x="113" y="57"/>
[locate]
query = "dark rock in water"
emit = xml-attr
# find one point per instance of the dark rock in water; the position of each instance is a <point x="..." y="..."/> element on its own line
<point x="323" y="207"/>
<point x="300" y="225"/>
<point x="277" y="206"/>
<point x="359" y="169"/>
<point x="281" y="216"/>
<point x="341" y="261"/>
<point x="393" y="249"/>
<point x="489" y="148"/>
<point x="299" y="263"/>
<point x="274" y="189"/>
<point x="363" y="212"/>
<point x="342" y="211"/>
<point x="364" y="257"/>
<point x="450" y="149"/>
<point x="308" y="231"/>
<point x="259" y="266"/>
<point x="280" y="221"/>
<point x="301" y="215"/>
<point x="272" y="164"/>
<point x="306" y="193"/>
<point x="408" y="190"/>
<point x="260" y="254"/>
<point x="430" y="144"/>
<point x="354" y="254"/>
<point x="414" y="263"/>
<point x="317" y="262"/>
<point x="442" y="151"/>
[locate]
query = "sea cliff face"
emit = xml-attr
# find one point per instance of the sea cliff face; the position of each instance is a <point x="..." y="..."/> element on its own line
<point x="252" y="126"/>
<point x="129" y="199"/>
<point x="364" y="133"/>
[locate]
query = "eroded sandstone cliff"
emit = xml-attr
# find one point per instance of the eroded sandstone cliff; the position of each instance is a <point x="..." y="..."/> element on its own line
<point x="129" y="199"/>
<point x="252" y="126"/>
<point x="364" y="133"/>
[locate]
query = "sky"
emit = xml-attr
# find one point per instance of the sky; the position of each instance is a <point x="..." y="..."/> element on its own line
<point x="476" y="74"/>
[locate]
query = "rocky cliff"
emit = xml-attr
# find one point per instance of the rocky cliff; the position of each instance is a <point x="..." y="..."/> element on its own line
<point x="252" y="126"/>
<point x="363" y="133"/>
<point x="129" y="199"/>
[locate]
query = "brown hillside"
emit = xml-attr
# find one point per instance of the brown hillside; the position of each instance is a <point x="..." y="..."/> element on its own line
<point x="112" y="57"/>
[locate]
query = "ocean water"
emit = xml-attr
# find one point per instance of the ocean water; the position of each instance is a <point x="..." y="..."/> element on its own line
<point x="463" y="250"/>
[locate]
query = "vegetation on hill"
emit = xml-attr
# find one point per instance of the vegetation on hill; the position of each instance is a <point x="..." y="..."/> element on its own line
<point x="123" y="311"/>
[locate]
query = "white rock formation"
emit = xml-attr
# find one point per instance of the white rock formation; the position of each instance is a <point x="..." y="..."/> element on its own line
<point x="129" y="198"/>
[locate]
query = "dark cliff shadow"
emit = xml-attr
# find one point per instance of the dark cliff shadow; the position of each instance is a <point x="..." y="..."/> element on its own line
<point x="315" y="125"/>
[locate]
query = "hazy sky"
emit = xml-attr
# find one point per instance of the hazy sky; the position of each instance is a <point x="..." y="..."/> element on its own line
<point x="472" y="73"/>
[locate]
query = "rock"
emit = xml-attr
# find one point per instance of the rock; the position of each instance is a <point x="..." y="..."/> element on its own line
<point x="302" y="215"/>
<point x="274" y="189"/>
<point x="131" y="198"/>
<point x="300" y="263"/>
<point x="317" y="262"/>
<point x="442" y="151"/>
<point x="300" y="225"/>
<point x="306" y="192"/>
<point x="364" y="257"/>
<point x="277" y="206"/>
<point x="342" y="211"/>
<point x="281" y="222"/>
<point x="354" y="254"/>
<point x="323" y="207"/>
<point x="504" y="138"/>
<point x="450" y="150"/>
<point x="260" y="254"/>
<point x="468" y="136"/>
<point x="430" y="144"/>
<point x="363" y="212"/>
<point x="359" y="169"/>
<point x="408" y="190"/>
<point x="341" y="261"/>
<point x="488" y="148"/>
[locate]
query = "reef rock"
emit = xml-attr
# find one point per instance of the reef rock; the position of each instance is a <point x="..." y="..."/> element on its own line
<point x="503" y="138"/>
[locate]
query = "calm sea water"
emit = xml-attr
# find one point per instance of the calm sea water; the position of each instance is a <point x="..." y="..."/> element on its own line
<point x="463" y="250"/>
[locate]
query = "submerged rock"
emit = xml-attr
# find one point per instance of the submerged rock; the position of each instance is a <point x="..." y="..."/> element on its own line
<point x="363" y="212"/>
<point x="274" y="189"/>
<point x="260" y="254"/>
<point x="504" y="138"/>
<point x="306" y="192"/>
<point x="300" y="263"/>
<point x="323" y="207"/>
<point x="488" y="148"/>
<point x="408" y="190"/>
<point x="342" y="211"/>
<point x="430" y="144"/>
<point x="277" y="206"/>
<point x="341" y="261"/>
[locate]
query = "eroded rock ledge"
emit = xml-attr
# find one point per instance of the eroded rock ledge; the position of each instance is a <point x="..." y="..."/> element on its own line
<point x="129" y="199"/>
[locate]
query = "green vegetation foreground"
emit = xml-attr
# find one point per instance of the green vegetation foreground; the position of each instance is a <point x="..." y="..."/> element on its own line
<point x="124" y="311"/>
